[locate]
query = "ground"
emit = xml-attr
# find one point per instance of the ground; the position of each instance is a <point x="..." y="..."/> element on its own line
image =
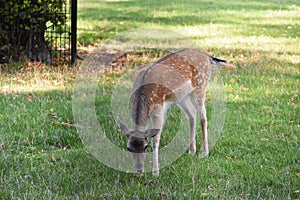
<point x="256" y="156"/>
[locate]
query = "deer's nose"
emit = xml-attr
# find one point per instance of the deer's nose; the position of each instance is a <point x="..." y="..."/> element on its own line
<point x="139" y="170"/>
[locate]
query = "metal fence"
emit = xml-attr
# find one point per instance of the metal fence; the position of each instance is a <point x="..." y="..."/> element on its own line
<point x="60" y="38"/>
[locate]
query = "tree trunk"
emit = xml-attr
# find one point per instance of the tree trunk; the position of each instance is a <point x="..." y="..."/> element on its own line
<point x="37" y="48"/>
<point x="22" y="29"/>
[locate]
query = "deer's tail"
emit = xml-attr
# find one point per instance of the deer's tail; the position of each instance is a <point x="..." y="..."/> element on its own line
<point x="220" y="62"/>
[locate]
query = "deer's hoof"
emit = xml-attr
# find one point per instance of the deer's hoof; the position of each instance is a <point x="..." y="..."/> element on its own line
<point x="192" y="152"/>
<point x="204" y="153"/>
<point x="155" y="172"/>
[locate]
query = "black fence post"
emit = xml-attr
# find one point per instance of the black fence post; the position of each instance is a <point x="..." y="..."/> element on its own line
<point x="73" y="32"/>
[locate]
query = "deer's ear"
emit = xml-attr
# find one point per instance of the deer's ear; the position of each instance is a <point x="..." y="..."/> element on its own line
<point x="123" y="127"/>
<point x="152" y="132"/>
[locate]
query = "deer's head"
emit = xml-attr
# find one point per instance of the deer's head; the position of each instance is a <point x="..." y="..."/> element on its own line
<point x="137" y="144"/>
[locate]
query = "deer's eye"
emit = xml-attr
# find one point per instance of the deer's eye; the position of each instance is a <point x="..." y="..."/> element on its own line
<point x="129" y="149"/>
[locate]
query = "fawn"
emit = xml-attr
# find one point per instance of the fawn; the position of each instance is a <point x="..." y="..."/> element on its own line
<point x="179" y="78"/>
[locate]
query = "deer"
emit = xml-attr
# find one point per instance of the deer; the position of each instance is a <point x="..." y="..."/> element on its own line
<point x="179" y="78"/>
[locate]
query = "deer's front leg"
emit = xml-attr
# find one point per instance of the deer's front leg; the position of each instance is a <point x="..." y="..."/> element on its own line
<point x="158" y="120"/>
<point x="155" y="146"/>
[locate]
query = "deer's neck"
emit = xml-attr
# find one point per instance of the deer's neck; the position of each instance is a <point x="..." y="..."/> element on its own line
<point x="140" y="107"/>
<point x="143" y="100"/>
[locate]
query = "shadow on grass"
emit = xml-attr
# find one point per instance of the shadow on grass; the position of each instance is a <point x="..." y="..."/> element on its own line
<point x="32" y="122"/>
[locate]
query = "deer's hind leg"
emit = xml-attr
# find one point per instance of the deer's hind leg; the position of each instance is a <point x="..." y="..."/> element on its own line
<point x="203" y="121"/>
<point x="190" y="110"/>
<point x="200" y="99"/>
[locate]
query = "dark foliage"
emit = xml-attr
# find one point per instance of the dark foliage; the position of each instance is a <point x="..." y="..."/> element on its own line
<point x="23" y="27"/>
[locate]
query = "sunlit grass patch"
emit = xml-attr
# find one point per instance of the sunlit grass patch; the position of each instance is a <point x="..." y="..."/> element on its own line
<point x="275" y="19"/>
<point x="26" y="77"/>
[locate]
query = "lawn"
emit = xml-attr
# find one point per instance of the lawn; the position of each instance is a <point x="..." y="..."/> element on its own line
<point x="257" y="156"/>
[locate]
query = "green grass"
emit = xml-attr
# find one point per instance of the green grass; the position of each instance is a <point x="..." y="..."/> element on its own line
<point x="257" y="156"/>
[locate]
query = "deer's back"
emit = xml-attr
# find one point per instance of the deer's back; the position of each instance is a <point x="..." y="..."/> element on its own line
<point x="172" y="76"/>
